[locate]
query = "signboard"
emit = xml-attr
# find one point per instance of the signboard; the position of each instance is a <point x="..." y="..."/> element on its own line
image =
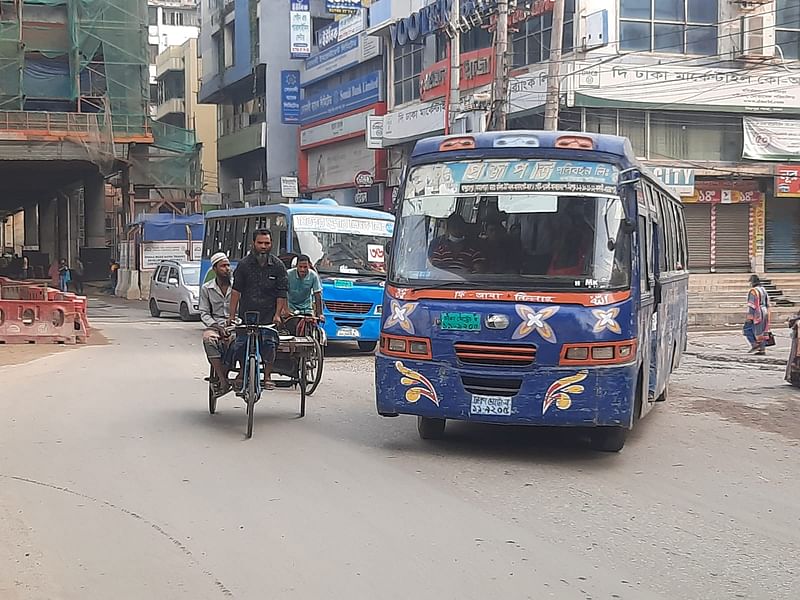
<point x="725" y="192"/>
<point x="299" y="33"/>
<point x="702" y="88"/>
<point x="374" y="132"/>
<point x="376" y="253"/>
<point x="507" y="176"/>
<point x="152" y="253"/>
<point x="476" y="71"/>
<point x="528" y="91"/>
<point x="372" y="197"/>
<point x="290" y="187"/>
<point x="343" y="7"/>
<point x="346" y="225"/>
<point x="197" y="251"/>
<point x="211" y="198"/>
<point x="336" y="165"/>
<point x="341" y="30"/>
<point x="327" y="132"/>
<point x="413" y="121"/>
<point x="363" y="180"/>
<point x="771" y="139"/>
<point x="340" y="56"/>
<point x="290" y="97"/>
<point x="350" y="96"/>
<point x="787" y="182"/>
<point x="679" y="179"/>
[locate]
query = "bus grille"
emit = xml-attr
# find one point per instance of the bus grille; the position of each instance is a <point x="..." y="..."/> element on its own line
<point x="494" y="355"/>
<point x="489" y="386"/>
<point x="348" y="322"/>
<point x="354" y="308"/>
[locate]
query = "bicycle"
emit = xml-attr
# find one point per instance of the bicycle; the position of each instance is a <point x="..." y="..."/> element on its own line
<point x="308" y="326"/>
<point x="252" y="385"/>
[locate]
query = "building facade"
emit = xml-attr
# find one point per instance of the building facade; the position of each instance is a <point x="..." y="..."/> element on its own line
<point x="245" y="45"/>
<point x="178" y="84"/>
<point x="343" y="85"/>
<point x="708" y="91"/>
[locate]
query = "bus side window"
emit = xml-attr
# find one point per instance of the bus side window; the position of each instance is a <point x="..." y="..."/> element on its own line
<point x="209" y="240"/>
<point x="644" y="262"/>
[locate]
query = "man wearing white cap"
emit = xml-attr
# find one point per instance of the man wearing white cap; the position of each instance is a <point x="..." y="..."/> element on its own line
<point x="215" y="302"/>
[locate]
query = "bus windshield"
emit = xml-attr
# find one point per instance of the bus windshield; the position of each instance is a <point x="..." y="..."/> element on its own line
<point x="343" y="245"/>
<point x="544" y="240"/>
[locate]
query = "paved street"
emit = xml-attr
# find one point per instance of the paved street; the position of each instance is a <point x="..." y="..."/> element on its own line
<point x="115" y="482"/>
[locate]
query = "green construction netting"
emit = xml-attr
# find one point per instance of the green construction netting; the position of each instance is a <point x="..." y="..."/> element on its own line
<point x="10" y="64"/>
<point x="176" y="170"/>
<point x="173" y="138"/>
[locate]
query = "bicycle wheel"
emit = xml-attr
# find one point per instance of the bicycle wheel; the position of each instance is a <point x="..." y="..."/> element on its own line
<point x="314" y="368"/>
<point x="303" y="386"/>
<point x="252" y="391"/>
<point x="212" y="393"/>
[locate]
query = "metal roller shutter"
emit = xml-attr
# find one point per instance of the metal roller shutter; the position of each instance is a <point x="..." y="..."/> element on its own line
<point x="733" y="238"/>
<point x="783" y="234"/>
<point x="698" y="234"/>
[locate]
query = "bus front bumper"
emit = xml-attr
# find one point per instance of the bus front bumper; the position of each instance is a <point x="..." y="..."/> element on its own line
<point x="552" y="396"/>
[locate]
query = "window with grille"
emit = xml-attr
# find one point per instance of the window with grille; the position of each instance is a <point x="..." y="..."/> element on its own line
<point x="407" y="67"/>
<point x="530" y="44"/>
<point x="787" y="28"/>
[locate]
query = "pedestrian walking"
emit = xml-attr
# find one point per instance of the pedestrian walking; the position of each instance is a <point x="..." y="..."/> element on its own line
<point x="64" y="276"/>
<point x="77" y="277"/>
<point x="756" y="326"/>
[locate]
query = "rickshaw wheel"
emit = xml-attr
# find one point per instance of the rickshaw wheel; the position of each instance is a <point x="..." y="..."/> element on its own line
<point x="303" y="386"/>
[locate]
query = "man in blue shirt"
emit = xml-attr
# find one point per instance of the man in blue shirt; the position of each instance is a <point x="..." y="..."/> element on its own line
<point x="305" y="289"/>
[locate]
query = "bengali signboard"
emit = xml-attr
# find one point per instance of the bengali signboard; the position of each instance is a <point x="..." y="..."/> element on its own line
<point x="703" y="88"/>
<point x="153" y="253"/>
<point x="771" y="139"/>
<point x="787" y="182"/>
<point x="476" y="71"/>
<point x="299" y="30"/>
<point x="413" y="121"/>
<point x="355" y="94"/>
<point x="340" y="30"/>
<point x="290" y="96"/>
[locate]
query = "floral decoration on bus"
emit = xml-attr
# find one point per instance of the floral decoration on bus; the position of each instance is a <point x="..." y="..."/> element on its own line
<point x="606" y="320"/>
<point x="561" y="391"/>
<point x="533" y="320"/>
<point x="400" y="316"/>
<point x="422" y="387"/>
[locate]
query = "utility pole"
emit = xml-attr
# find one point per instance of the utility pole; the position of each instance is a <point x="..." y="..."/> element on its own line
<point x="454" y="101"/>
<point x="500" y="87"/>
<point x="554" y="71"/>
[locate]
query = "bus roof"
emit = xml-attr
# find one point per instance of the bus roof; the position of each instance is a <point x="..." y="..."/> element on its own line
<point x="304" y="207"/>
<point x="610" y="144"/>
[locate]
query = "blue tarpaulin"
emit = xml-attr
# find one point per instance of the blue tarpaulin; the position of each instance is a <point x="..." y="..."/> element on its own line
<point x="165" y="227"/>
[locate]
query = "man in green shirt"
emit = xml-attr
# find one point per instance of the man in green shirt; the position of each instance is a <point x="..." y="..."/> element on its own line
<point x="305" y="289"/>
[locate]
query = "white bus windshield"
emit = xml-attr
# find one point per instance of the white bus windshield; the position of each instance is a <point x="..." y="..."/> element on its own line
<point x="344" y="245"/>
<point x="513" y="224"/>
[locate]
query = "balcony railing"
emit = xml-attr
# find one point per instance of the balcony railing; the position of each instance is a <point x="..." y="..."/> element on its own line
<point x="36" y="124"/>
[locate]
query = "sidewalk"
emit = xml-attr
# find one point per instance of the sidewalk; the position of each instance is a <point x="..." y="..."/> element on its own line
<point x="731" y="346"/>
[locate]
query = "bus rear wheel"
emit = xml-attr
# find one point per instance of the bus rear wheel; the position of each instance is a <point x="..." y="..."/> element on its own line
<point x="430" y="429"/>
<point x="608" y="439"/>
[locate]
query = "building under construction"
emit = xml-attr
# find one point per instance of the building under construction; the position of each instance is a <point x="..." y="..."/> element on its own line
<point x="79" y="154"/>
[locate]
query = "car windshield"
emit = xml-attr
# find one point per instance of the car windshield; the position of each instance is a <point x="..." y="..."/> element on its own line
<point x="191" y="275"/>
<point x="524" y="240"/>
<point x="344" y="246"/>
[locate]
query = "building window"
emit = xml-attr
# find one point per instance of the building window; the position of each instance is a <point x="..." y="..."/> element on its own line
<point x="407" y="67"/>
<point x="229" y="39"/>
<point x="670" y="26"/>
<point x="631" y="124"/>
<point x="787" y="28"/>
<point x="180" y="18"/>
<point x="152" y="15"/>
<point x="530" y="44"/>
<point x="153" y="50"/>
<point x="695" y="136"/>
<point x="219" y="51"/>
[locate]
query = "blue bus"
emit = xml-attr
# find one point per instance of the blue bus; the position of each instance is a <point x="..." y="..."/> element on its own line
<point x="534" y="278"/>
<point x="346" y="245"/>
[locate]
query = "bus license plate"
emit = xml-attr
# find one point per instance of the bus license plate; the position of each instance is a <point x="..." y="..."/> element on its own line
<point x="491" y="405"/>
<point x="348" y="332"/>
<point x="458" y="321"/>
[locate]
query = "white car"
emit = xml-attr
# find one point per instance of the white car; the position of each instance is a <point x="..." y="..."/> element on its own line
<point x="175" y="288"/>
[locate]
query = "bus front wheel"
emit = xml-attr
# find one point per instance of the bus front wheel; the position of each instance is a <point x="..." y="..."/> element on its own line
<point x="430" y="429"/>
<point x="608" y="439"/>
<point x="367" y="346"/>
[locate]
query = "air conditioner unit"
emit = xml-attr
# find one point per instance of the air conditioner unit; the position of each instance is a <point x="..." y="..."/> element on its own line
<point x="758" y="37"/>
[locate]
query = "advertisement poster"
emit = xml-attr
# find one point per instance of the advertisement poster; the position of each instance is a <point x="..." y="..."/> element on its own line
<point x="787" y="182"/>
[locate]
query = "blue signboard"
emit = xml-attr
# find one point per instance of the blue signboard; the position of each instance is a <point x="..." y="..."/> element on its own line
<point x="342" y="7"/>
<point x="299" y="5"/>
<point x="350" y="96"/>
<point x="290" y="96"/>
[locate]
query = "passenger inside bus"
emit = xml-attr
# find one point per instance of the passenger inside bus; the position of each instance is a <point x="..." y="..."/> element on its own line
<point x="456" y="250"/>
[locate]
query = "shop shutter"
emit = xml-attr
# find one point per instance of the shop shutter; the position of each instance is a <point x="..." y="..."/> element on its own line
<point x="783" y="235"/>
<point x="733" y="238"/>
<point x="698" y="234"/>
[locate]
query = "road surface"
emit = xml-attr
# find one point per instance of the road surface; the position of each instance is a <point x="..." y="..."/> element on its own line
<point x="115" y="482"/>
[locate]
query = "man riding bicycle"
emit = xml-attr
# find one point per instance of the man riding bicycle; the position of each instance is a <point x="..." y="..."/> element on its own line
<point x="260" y="285"/>
<point x="215" y="298"/>
<point x="305" y="292"/>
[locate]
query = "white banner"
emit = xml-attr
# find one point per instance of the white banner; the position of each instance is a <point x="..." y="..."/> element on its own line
<point x="417" y="120"/>
<point x="337" y="164"/>
<point x="328" y="132"/>
<point x="299" y="33"/>
<point x="701" y="87"/>
<point x="771" y="139"/>
<point x="527" y="91"/>
<point x="152" y="253"/>
<point x="347" y="225"/>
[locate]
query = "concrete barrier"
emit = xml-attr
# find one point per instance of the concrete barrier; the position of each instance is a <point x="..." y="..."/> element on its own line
<point x="145" y="279"/>
<point x="123" y="281"/>
<point x="133" y="292"/>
